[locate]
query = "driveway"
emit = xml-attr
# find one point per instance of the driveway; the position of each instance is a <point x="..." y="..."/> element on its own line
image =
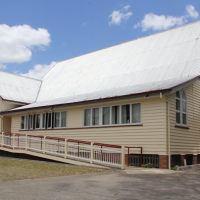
<point x="117" y="184"/>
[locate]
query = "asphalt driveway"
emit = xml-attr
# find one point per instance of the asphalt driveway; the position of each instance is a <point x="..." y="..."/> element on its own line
<point x="109" y="185"/>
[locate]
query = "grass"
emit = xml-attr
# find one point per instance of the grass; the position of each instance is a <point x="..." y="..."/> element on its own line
<point x="14" y="169"/>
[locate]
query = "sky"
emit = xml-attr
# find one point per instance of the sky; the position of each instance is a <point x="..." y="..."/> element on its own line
<point x="35" y="34"/>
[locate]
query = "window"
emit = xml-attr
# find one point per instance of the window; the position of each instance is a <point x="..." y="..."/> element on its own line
<point x="30" y="122"/>
<point x="22" y="122"/>
<point x="37" y="121"/>
<point x="181" y="108"/>
<point x="95" y="116"/>
<point x="60" y="119"/>
<point x="87" y="115"/>
<point x="106" y="116"/>
<point x="115" y="114"/>
<point x="49" y="122"/>
<point x="125" y="115"/>
<point x="136" y="113"/>
<point x="43" y="120"/>
<point x="112" y="115"/>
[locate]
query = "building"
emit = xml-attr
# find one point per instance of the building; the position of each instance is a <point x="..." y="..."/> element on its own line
<point x="143" y="92"/>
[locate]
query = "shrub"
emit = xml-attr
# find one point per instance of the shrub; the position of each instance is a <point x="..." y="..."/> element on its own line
<point x="149" y="165"/>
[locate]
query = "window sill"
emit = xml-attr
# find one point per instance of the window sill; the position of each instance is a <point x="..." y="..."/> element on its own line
<point x="43" y="129"/>
<point x="112" y="126"/>
<point x="184" y="127"/>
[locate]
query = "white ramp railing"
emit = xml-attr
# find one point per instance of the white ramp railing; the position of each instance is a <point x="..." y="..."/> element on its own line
<point x="100" y="153"/>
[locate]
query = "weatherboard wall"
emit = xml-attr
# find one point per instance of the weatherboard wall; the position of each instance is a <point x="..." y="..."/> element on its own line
<point x="186" y="141"/>
<point x="150" y="134"/>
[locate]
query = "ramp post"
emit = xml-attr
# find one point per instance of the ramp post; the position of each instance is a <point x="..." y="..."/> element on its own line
<point x="2" y="140"/>
<point x="26" y="141"/>
<point x="92" y="152"/>
<point x="13" y="141"/>
<point x="66" y="148"/>
<point x="44" y="147"/>
<point x="122" y="157"/>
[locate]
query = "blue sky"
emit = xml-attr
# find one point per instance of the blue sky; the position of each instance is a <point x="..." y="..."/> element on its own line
<point x="34" y="34"/>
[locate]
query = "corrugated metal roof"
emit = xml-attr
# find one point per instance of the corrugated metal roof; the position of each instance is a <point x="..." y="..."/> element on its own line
<point x="171" y="54"/>
<point x="109" y="93"/>
<point x="156" y="62"/>
<point x="18" y="88"/>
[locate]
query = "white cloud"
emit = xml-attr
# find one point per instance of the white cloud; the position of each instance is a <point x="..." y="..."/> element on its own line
<point x="117" y="16"/>
<point x="163" y="22"/>
<point x="2" y="66"/>
<point x="39" y="71"/>
<point x="126" y="7"/>
<point x="192" y="12"/>
<point x="16" y="42"/>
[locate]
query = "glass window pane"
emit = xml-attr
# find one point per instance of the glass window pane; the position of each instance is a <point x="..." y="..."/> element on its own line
<point x="87" y="114"/>
<point x="106" y="115"/>
<point x="63" y="119"/>
<point x="26" y="127"/>
<point x="37" y="121"/>
<point x="184" y="119"/>
<point x="30" y="121"/>
<point x="22" y="122"/>
<point x="136" y="113"/>
<point x="184" y="95"/>
<point x="178" y="104"/>
<point x="95" y="116"/>
<point x="126" y="114"/>
<point x="57" y="119"/>
<point x="183" y="106"/>
<point x="49" y="120"/>
<point x="178" y="94"/>
<point x="43" y="120"/>
<point x="115" y="114"/>
<point x="178" y="118"/>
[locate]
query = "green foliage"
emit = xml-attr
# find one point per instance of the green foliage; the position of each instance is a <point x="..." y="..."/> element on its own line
<point x="149" y="165"/>
<point x="174" y="168"/>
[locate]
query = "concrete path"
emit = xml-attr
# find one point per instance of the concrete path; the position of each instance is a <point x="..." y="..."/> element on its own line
<point x="117" y="184"/>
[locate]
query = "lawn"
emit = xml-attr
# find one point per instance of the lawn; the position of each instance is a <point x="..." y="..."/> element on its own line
<point x="15" y="169"/>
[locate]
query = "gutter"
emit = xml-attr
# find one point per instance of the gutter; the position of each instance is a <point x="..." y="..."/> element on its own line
<point x="88" y="101"/>
<point x="18" y="102"/>
<point x="168" y="134"/>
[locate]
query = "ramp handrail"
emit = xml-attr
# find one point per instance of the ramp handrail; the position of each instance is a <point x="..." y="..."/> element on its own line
<point x="93" y="152"/>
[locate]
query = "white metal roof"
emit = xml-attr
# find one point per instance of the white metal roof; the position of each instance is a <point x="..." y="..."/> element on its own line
<point x="18" y="88"/>
<point x="116" y="92"/>
<point x="155" y="62"/>
<point x="167" y="55"/>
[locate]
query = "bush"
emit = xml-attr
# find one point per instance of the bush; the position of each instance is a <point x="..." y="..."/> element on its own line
<point x="149" y="165"/>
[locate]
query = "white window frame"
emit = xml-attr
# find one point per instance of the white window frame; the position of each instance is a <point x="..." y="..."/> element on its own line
<point x="59" y="119"/>
<point x="24" y="122"/>
<point x="48" y="120"/>
<point x="39" y="121"/>
<point x="32" y="121"/>
<point x="181" y="109"/>
<point x="120" y="115"/>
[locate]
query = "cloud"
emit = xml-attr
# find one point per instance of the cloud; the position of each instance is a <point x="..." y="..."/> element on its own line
<point x="2" y="66"/>
<point x="117" y="16"/>
<point x="39" y="71"/>
<point x="84" y="23"/>
<point x="192" y="12"/>
<point x="163" y="22"/>
<point x="126" y="7"/>
<point x="17" y="42"/>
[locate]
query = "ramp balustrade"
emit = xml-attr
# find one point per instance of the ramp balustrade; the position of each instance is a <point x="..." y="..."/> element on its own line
<point x="100" y="153"/>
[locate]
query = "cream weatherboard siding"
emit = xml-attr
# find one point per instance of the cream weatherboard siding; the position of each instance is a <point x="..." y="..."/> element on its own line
<point x="151" y="135"/>
<point x="186" y="141"/>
